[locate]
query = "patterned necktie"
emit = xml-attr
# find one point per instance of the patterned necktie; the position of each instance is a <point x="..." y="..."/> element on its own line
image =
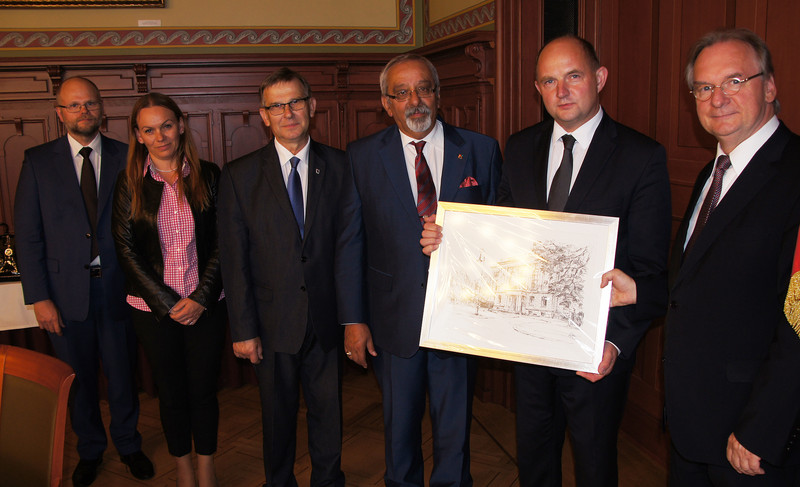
<point x="89" y="191"/>
<point x="426" y="191"/>
<point x="712" y="198"/>
<point x="559" y="189"/>
<point x="295" y="189"/>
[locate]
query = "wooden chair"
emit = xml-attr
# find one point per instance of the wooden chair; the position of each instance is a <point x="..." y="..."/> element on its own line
<point x="34" y="389"/>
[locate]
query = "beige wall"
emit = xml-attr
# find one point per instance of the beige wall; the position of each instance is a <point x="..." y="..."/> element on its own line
<point x="213" y="13"/>
<point x="439" y="10"/>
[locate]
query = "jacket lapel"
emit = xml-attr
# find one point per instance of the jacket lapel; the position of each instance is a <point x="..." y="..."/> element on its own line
<point x="597" y="156"/>
<point x="111" y="160"/>
<point x="271" y="170"/>
<point x="394" y="163"/>
<point x="316" y="177"/>
<point x="64" y="167"/>
<point x="456" y="157"/>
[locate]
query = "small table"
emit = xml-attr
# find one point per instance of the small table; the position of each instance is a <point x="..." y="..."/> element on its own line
<point x="15" y="314"/>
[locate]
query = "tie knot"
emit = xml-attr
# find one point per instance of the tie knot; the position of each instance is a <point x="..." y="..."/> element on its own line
<point x="723" y="163"/>
<point x="294" y="161"/>
<point x="569" y="141"/>
<point x="418" y="145"/>
<point x="85" y="151"/>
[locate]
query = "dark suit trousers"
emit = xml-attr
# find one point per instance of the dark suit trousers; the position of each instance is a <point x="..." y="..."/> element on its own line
<point x="83" y="344"/>
<point x="449" y="380"/>
<point x="686" y="473"/>
<point x="185" y="361"/>
<point x="548" y="400"/>
<point x="280" y="376"/>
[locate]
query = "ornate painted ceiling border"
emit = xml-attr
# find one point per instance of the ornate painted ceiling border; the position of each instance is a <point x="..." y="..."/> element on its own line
<point x="401" y="35"/>
<point x="464" y="21"/>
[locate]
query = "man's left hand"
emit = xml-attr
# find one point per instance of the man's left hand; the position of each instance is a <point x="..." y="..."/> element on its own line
<point x="741" y="459"/>
<point x="431" y="235"/>
<point x="610" y="354"/>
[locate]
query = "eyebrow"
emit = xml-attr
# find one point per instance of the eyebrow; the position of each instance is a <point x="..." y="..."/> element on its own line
<point x="737" y="74"/>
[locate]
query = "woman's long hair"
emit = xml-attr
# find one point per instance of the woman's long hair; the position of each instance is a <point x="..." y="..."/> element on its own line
<point x="192" y="187"/>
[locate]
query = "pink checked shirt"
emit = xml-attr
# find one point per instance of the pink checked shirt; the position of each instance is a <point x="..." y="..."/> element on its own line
<point x="176" y="233"/>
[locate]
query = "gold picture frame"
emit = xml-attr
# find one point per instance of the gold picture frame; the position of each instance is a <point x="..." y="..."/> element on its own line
<point x="520" y="285"/>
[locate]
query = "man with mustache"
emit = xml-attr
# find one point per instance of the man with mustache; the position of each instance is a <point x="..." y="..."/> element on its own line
<point x="71" y="276"/>
<point x="393" y="181"/>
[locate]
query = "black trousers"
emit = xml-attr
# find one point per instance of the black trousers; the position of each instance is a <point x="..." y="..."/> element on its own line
<point x="280" y="376"/>
<point x="186" y="362"/>
<point x="550" y="400"/>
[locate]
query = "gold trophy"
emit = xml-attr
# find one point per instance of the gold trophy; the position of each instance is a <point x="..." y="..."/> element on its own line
<point x="8" y="269"/>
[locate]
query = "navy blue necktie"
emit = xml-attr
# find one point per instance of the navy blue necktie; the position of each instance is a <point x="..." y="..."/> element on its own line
<point x="89" y="191"/>
<point x="295" y="189"/>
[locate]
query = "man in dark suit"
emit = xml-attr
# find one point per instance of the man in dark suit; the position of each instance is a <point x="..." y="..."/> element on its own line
<point x="585" y="162"/>
<point x="277" y="236"/>
<point x="394" y="179"/>
<point x="731" y="359"/>
<point x="71" y="276"/>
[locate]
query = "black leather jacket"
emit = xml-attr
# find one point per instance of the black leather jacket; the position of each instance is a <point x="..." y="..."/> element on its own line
<point x="139" y="248"/>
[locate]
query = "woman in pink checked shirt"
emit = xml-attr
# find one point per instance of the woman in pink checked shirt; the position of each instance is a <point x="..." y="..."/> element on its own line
<point x="164" y="226"/>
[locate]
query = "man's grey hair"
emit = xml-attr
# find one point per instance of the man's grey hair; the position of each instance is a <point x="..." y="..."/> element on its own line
<point x="725" y="35"/>
<point x="403" y="58"/>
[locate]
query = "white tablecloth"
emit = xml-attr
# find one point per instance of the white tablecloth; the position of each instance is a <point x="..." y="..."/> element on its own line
<point x="13" y="312"/>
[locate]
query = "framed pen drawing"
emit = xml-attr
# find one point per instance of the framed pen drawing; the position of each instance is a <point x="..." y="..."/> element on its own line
<point x="520" y="285"/>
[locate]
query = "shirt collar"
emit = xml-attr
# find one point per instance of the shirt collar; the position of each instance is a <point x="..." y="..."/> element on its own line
<point x="745" y="151"/>
<point x="75" y="146"/>
<point x="149" y="167"/>
<point x="432" y="137"/>
<point x="285" y="154"/>
<point x="583" y="134"/>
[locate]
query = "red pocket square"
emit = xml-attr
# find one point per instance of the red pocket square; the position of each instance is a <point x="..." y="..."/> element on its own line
<point x="468" y="182"/>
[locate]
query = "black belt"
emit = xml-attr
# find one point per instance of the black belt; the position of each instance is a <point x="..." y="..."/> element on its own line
<point x="95" y="271"/>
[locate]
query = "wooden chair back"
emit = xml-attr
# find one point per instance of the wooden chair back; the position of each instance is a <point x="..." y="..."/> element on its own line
<point x="34" y="390"/>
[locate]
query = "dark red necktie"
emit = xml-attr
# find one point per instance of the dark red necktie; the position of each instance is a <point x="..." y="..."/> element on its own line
<point x="426" y="191"/>
<point x="712" y="198"/>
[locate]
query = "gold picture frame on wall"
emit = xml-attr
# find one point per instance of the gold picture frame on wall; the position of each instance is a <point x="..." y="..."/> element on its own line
<point x="80" y="3"/>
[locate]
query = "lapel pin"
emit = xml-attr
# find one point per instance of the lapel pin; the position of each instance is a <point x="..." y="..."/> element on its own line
<point x="317" y="171"/>
<point x="460" y="156"/>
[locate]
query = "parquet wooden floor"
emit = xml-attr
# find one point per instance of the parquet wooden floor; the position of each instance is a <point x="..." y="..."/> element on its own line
<point x="238" y="457"/>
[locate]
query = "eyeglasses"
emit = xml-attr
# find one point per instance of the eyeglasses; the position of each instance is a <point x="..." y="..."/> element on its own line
<point x="731" y="86"/>
<point x="422" y="92"/>
<point x="76" y="107"/>
<point x="294" y="105"/>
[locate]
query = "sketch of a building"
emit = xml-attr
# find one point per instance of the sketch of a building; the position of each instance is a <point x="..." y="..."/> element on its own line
<point x="547" y="282"/>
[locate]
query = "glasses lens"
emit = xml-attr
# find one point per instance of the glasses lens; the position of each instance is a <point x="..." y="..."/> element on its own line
<point x="731" y="86"/>
<point x="298" y="104"/>
<point x="702" y="92"/>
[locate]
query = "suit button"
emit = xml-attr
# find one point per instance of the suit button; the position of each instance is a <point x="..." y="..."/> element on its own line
<point x="303" y="288"/>
<point x="88" y="235"/>
<point x="673" y="304"/>
<point x="303" y="258"/>
<point x="422" y="285"/>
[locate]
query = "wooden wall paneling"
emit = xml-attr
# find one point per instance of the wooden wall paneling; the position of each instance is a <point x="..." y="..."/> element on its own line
<point x="519" y="38"/>
<point x="366" y="116"/>
<point x="243" y="132"/>
<point x="16" y="136"/>
<point x="780" y="27"/>
<point x="25" y="85"/>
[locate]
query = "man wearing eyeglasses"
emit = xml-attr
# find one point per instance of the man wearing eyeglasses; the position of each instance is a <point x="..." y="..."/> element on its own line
<point x="277" y="234"/>
<point x="70" y="274"/>
<point x="731" y="359"/>
<point x="394" y="180"/>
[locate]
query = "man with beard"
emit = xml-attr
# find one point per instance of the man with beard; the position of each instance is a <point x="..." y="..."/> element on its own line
<point x="394" y="179"/>
<point x="71" y="276"/>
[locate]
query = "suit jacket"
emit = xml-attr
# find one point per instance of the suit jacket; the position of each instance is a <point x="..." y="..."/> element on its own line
<point x="139" y="244"/>
<point x="624" y="174"/>
<point x="381" y="272"/>
<point x="53" y="234"/>
<point x="732" y="361"/>
<point x="276" y="282"/>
